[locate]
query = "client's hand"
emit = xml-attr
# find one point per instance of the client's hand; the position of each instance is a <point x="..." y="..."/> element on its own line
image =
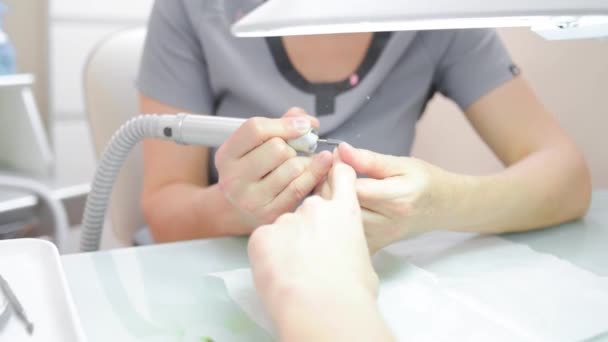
<point x="317" y="252"/>
<point x="402" y="197"/>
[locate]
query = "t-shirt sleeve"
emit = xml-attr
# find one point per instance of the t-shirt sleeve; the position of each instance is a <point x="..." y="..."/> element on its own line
<point x="173" y="70"/>
<point x="470" y="64"/>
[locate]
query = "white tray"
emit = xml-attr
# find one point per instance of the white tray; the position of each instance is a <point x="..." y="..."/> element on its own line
<point x="34" y="272"/>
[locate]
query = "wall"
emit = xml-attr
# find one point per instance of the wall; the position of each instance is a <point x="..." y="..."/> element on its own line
<point x="77" y="26"/>
<point x="571" y="77"/>
<point x="54" y="37"/>
<point x="27" y="26"/>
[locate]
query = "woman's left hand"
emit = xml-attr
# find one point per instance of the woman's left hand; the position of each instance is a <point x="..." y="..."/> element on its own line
<point x="402" y="197"/>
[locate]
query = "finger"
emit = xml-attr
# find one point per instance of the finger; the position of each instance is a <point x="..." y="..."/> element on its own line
<point x="285" y="220"/>
<point x="300" y="187"/>
<point x="374" y="192"/>
<point x="311" y="205"/>
<point x="369" y="163"/>
<point x="371" y="190"/>
<point x="327" y="186"/>
<point x="342" y="181"/>
<point x="265" y="158"/>
<point x="255" y="131"/>
<point x="323" y="190"/>
<point x="284" y="174"/>
<point x="296" y="111"/>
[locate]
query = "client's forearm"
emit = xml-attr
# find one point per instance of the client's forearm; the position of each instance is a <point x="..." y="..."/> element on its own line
<point x="546" y="188"/>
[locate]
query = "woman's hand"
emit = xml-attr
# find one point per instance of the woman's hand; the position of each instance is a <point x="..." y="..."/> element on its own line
<point x="259" y="173"/>
<point x="402" y="197"/>
<point x="316" y="253"/>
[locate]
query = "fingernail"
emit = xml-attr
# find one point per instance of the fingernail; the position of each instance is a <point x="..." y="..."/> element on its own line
<point x="293" y="111"/>
<point x="347" y="148"/>
<point x="296" y="109"/>
<point x="301" y="124"/>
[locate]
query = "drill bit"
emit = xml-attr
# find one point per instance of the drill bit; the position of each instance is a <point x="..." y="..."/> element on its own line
<point x="16" y="305"/>
<point x="334" y="142"/>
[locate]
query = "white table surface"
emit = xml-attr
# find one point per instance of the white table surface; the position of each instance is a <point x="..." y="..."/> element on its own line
<point x="163" y="293"/>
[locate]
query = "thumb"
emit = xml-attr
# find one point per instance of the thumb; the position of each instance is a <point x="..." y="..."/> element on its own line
<point x="372" y="164"/>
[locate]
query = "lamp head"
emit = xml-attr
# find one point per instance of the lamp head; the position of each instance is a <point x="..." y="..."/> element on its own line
<point x="553" y="19"/>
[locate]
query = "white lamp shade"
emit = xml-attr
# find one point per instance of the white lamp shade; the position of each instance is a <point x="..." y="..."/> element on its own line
<point x="298" y="17"/>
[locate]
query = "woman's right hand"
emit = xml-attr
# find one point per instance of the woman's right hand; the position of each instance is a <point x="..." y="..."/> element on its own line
<point x="260" y="174"/>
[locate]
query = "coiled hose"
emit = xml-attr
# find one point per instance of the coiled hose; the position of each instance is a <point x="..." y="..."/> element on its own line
<point x="122" y="142"/>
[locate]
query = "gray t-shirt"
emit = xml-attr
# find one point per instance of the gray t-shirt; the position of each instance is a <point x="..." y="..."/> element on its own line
<point x="192" y="62"/>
